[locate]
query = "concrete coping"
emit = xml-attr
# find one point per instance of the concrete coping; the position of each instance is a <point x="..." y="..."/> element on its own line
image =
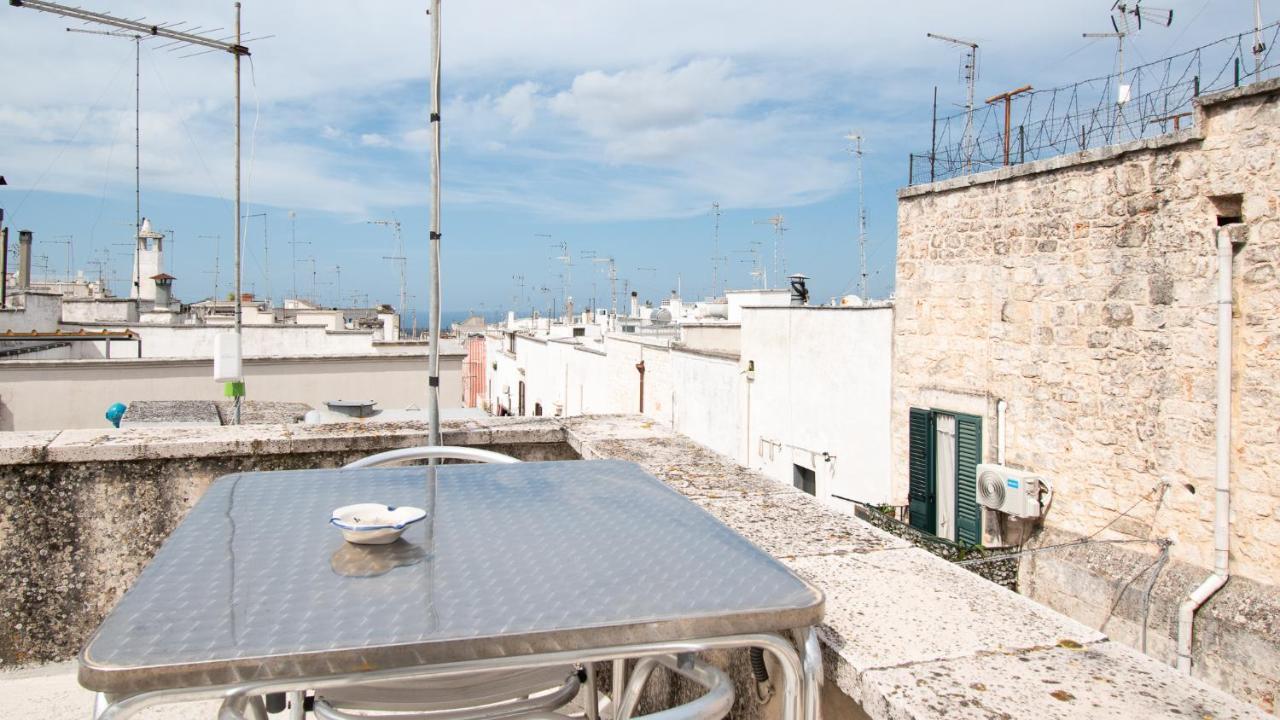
<point x="906" y="634"/>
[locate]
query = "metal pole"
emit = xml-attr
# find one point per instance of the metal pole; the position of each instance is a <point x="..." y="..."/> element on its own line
<point x="137" y="166"/>
<point x="239" y="307"/>
<point x="433" y="399"/>
<point x="933" y="137"/>
<point x="1258" y="45"/>
<point x="4" y="264"/>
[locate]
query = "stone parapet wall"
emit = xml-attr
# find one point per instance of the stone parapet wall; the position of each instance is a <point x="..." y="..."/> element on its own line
<point x="906" y="635"/>
<point x="1082" y="292"/>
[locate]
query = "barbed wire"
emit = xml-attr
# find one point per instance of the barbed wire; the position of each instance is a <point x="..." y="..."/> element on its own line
<point x="1088" y="114"/>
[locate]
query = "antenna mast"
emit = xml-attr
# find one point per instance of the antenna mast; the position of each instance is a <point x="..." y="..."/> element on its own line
<point x="180" y="39"/>
<point x="862" y="217"/>
<point x="217" y="255"/>
<point x="399" y="258"/>
<point x="778" y="228"/>
<point x="715" y="257"/>
<point x="1120" y="13"/>
<point x="970" y="68"/>
<point x="293" y="249"/>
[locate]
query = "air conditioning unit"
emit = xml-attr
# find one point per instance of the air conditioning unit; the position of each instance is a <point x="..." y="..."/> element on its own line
<point x="1010" y="491"/>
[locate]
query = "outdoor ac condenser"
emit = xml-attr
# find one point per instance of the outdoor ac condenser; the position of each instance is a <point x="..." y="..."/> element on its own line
<point x="1010" y="491"/>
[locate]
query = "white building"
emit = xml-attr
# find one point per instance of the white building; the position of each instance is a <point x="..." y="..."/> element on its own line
<point x="799" y="392"/>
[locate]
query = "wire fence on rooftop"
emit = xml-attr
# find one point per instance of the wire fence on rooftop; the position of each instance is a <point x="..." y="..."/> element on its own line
<point x="1157" y="96"/>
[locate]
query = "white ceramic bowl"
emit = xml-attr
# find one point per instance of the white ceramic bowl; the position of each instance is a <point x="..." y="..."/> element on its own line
<point x="374" y="524"/>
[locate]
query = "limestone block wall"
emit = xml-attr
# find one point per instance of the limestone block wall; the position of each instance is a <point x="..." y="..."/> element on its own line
<point x="1081" y="290"/>
<point x="1083" y="295"/>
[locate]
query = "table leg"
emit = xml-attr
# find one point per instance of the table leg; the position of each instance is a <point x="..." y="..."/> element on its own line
<point x="811" y="668"/>
<point x="619" y="683"/>
<point x="100" y="705"/>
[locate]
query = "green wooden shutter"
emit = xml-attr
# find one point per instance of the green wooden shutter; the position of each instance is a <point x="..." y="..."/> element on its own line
<point x="968" y="455"/>
<point x="920" y="471"/>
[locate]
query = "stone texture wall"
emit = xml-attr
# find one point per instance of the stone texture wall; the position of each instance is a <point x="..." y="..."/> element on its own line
<point x="1081" y="290"/>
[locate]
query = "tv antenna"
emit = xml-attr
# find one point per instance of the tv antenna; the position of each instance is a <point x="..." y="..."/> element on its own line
<point x="862" y="216"/>
<point x="778" y="229"/>
<point x="1122" y="27"/>
<point x="716" y="257"/>
<point x="266" y="247"/>
<point x="613" y="280"/>
<point x="970" y="70"/>
<point x="518" y="298"/>
<point x="137" y="39"/>
<point x="70" y="242"/>
<point x="178" y="39"/>
<point x="1121" y="11"/>
<point x="293" y="250"/>
<point x="315" y="299"/>
<point x="566" y="278"/>
<point x="217" y="256"/>
<point x="399" y="258"/>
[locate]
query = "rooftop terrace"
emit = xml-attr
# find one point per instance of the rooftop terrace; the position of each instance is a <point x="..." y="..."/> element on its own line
<point x="906" y="634"/>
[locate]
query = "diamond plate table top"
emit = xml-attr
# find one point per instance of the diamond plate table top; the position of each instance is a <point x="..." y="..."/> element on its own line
<point x="255" y="583"/>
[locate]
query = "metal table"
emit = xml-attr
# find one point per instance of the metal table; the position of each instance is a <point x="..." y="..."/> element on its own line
<point x="516" y="566"/>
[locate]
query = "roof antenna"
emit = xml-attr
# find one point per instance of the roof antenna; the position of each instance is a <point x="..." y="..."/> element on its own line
<point x="862" y="216"/>
<point x="179" y="39"/>
<point x="970" y="70"/>
<point x="1120" y="24"/>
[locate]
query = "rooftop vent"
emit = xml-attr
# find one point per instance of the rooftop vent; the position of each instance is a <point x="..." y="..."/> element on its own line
<point x="351" y="408"/>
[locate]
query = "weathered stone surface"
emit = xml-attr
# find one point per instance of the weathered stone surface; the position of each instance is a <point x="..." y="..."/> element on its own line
<point x="1124" y="400"/>
<point x="882" y="596"/>
<point x="145" y="413"/>
<point x="794" y="524"/>
<point x="76" y="532"/>
<point x="1060" y="682"/>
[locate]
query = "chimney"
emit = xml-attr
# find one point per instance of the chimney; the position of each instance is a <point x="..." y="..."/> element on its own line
<point x="635" y="304"/>
<point x="799" y="291"/>
<point x="24" y="260"/>
<point x="568" y="310"/>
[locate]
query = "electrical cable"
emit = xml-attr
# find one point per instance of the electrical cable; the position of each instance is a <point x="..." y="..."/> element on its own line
<point x="1089" y="539"/>
<point x="83" y="121"/>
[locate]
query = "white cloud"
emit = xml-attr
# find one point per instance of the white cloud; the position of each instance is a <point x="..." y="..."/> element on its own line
<point x="519" y="105"/>
<point x="590" y="107"/>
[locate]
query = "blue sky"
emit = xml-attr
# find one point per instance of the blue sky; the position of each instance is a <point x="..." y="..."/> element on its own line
<point x="611" y="126"/>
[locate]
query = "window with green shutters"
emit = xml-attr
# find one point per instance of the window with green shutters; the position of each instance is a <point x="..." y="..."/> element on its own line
<point x="922" y="461"/>
<point x="968" y="455"/>
<point x="920" y="472"/>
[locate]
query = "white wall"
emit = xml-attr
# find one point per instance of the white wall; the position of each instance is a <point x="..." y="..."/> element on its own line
<point x="55" y="395"/>
<point x="38" y="312"/>
<point x="196" y="341"/>
<point x="709" y="401"/>
<point x="822" y="384"/>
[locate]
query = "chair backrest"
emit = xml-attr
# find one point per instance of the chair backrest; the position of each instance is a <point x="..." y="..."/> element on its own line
<point x="441" y="452"/>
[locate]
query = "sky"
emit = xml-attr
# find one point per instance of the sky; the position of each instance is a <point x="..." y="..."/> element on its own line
<point x="603" y="126"/>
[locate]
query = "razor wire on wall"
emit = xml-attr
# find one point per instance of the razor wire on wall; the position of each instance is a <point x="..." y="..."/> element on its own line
<point x="1145" y="101"/>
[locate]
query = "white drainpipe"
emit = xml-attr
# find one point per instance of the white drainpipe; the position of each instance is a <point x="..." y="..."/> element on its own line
<point x="1222" y="480"/>
<point x="1000" y="408"/>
